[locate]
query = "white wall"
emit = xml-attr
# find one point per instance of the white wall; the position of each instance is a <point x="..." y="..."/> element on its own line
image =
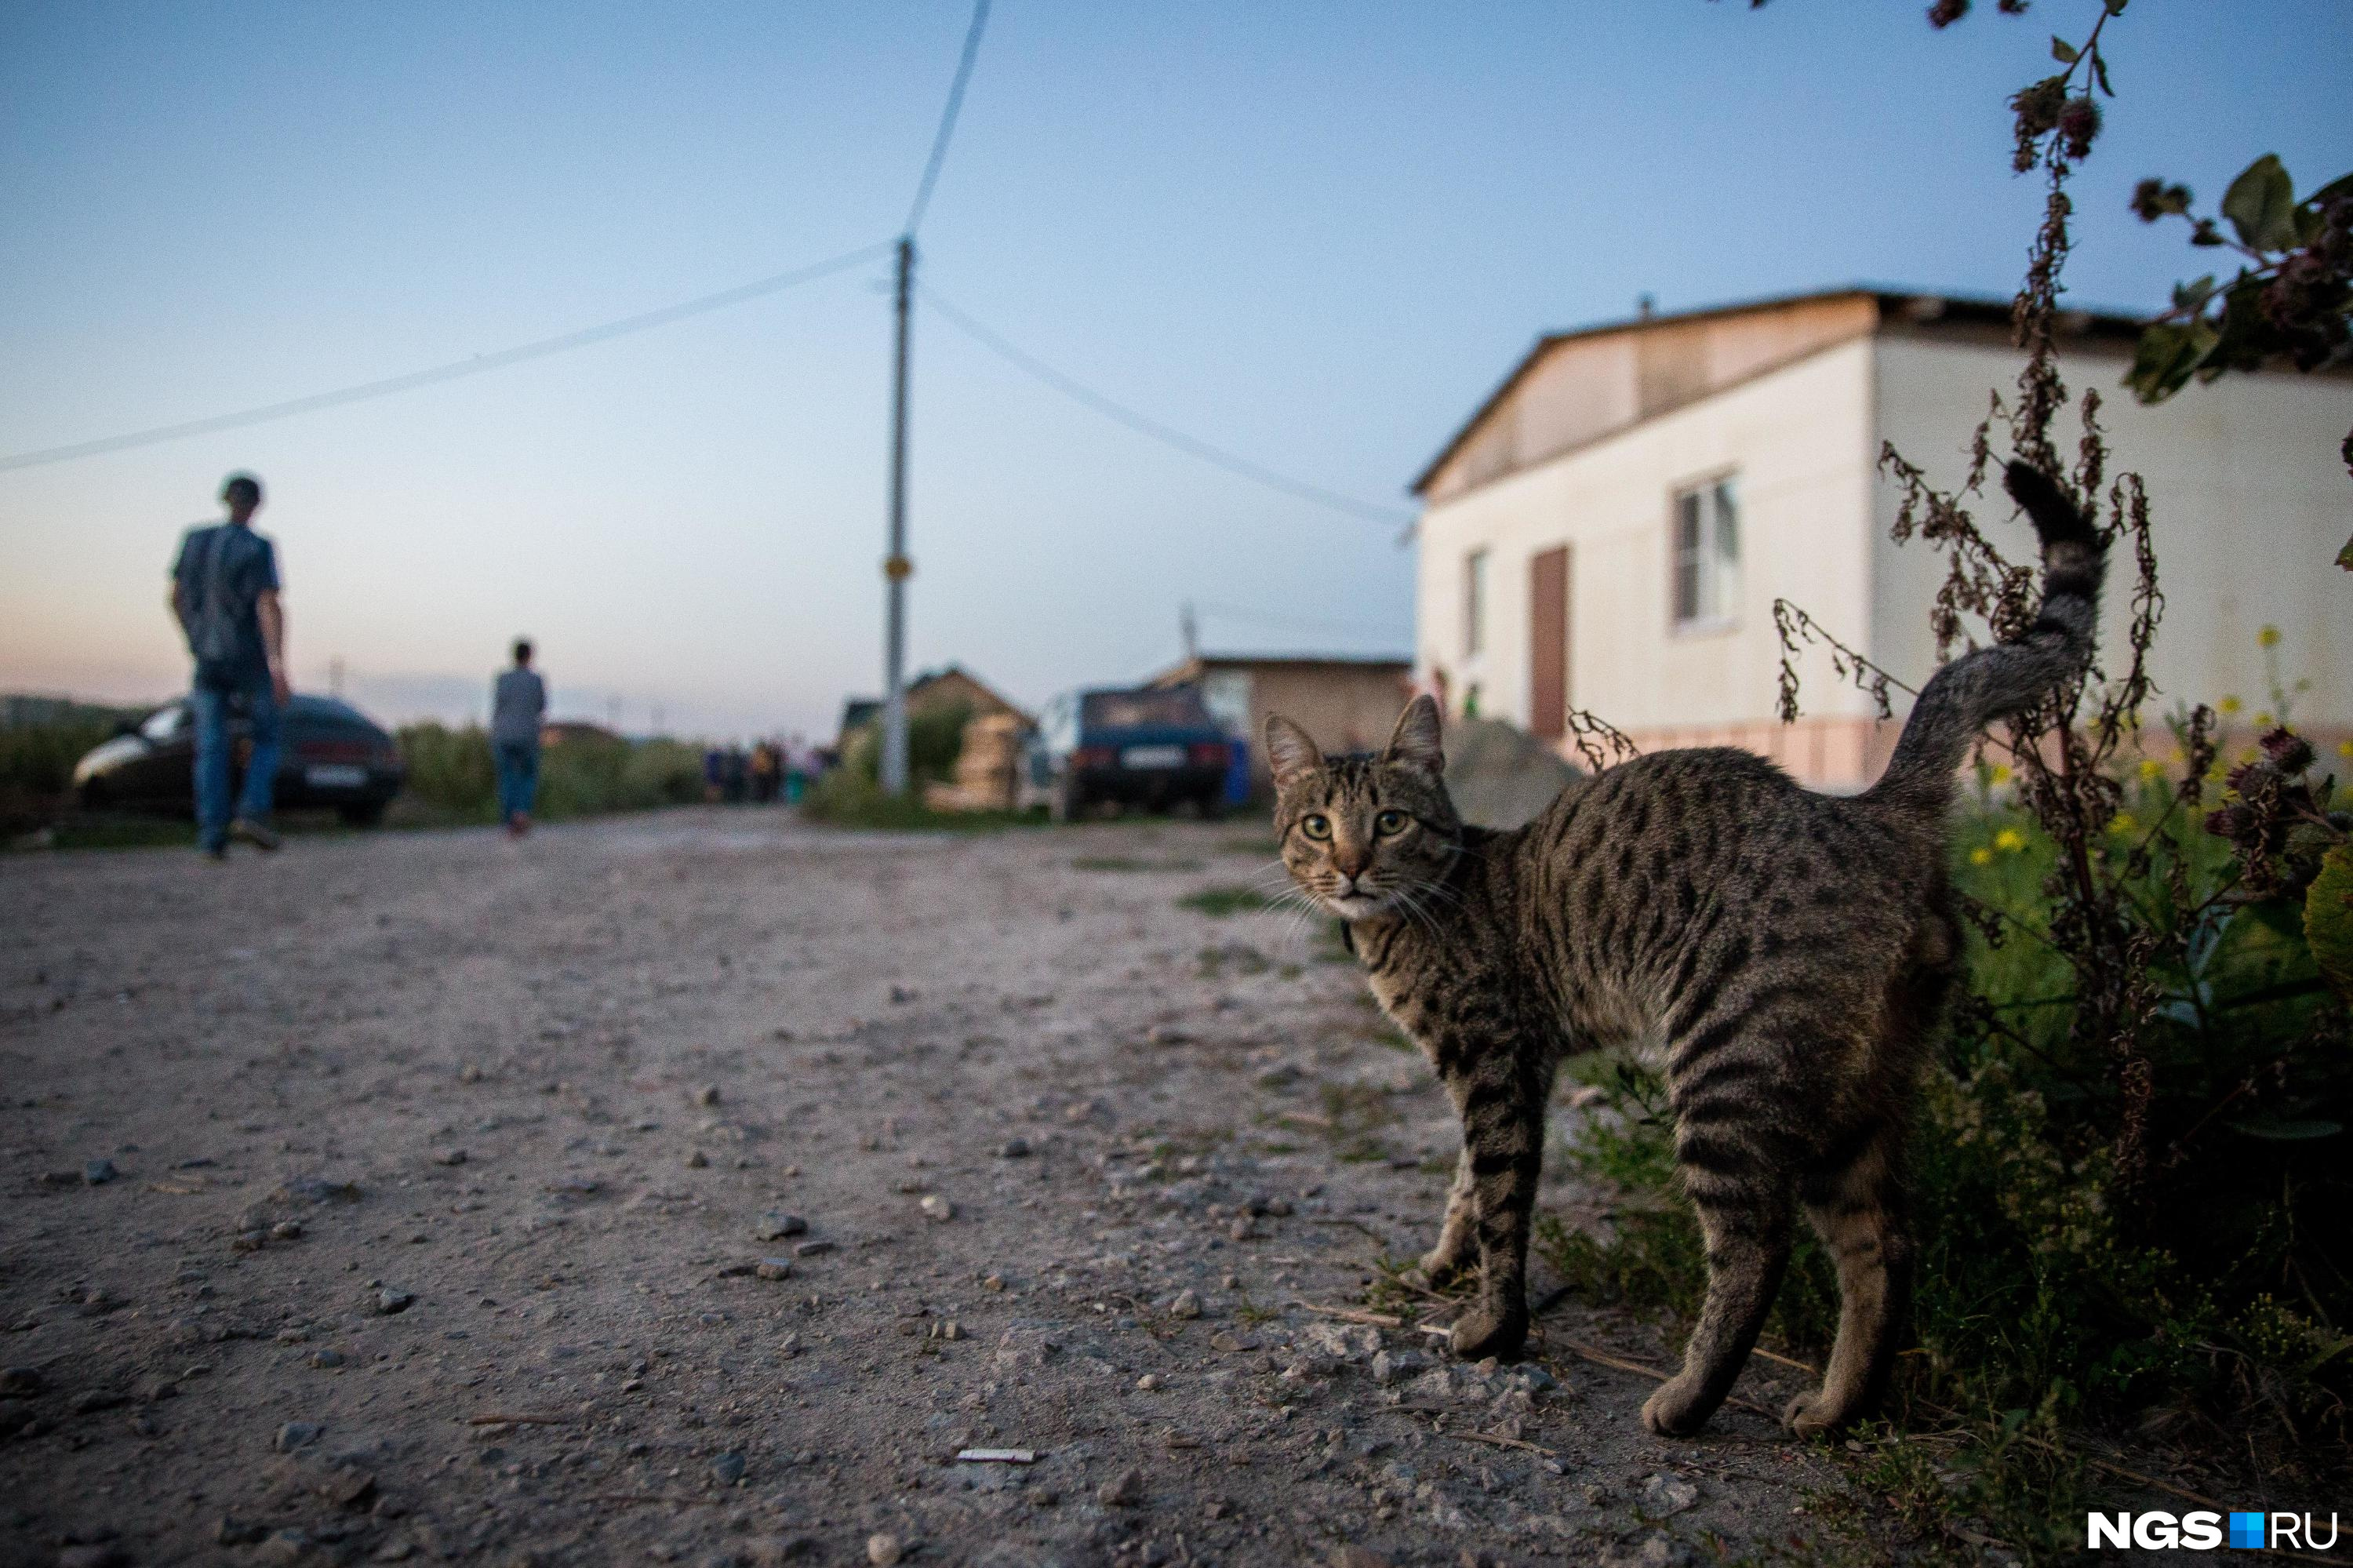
<point x="2249" y="505"/>
<point x="1802" y="441"/>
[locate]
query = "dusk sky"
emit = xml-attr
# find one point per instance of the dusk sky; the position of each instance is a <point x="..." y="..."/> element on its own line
<point x="1314" y="236"/>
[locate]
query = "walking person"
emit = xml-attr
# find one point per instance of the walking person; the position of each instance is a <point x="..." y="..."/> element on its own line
<point x="518" y="704"/>
<point x="225" y="592"/>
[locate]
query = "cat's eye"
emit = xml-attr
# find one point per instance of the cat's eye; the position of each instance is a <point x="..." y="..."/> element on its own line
<point x="1388" y="824"/>
<point x="1316" y="826"/>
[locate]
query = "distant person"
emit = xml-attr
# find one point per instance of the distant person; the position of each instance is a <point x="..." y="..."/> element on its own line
<point x="768" y="770"/>
<point x="518" y="704"/>
<point x="224" y="593"/>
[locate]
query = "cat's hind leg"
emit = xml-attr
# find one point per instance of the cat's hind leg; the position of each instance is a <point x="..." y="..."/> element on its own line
<point x="1732" y="1158"/>
<point x="1858" y="1209"/>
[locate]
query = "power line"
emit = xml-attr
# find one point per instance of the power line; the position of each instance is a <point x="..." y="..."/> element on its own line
<point x="948" y="118"/>
<point x="1168" y="435"/>
<point x="455" y="369"/>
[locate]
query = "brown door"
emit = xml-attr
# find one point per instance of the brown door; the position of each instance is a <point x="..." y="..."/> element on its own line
<point x="1548" y="643"/>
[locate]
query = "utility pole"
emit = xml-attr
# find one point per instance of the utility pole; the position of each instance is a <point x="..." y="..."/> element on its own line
<point x="896" y="566"/>
<point x="1188" y="632"/>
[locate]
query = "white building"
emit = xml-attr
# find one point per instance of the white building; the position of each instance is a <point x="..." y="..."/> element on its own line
<point x="1611" y="530"/>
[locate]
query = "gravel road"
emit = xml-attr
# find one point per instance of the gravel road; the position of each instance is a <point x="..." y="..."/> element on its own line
<point x="697" y="1187"/>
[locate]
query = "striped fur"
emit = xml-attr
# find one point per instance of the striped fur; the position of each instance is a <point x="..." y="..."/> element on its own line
<point x="1785" y="955"/>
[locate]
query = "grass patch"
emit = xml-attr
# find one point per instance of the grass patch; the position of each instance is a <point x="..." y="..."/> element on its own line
<point x="1219" y="902"/>
<point x="846" y="798"/>
<point x="1264" y="849"/>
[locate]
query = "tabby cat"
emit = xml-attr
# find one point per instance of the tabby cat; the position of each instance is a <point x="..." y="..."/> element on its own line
<point x="1781" y="955"/>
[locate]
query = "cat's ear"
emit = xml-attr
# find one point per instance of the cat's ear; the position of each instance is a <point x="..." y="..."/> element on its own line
<point x="1417" y="742"/>
<point x="1290" y="753"/>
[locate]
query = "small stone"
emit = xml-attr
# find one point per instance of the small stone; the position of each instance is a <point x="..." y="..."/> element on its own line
<point x="349" y="1489"/>
<point x="90" y="1401"/>
<point x="774" y="1268"/>
<point x="1186" y="1305"/>
<point x="323" y="1357"/>
<point x="882" y="1549"/>
<point x="1166" y="1034"/>
<point x="287" y="1230"/>
<point x="696" y="1159"/>
<point x="708" y="1095"/>
<point x="448" y="1157"/>
<point x="727" y="1468"/>
<point x="937" y="1208"/>
<point x="1664" y="1496"/>
<point x="812" y="1248"/>
<point x="1395" y="1366"/>
<point x="992" y="1282"/>
<point x="162" y="1389"/>
<point x="21" y="1383"/>
<point x="234" y="1531"/>
<point x="776" y="1224"/>
<point x="1241" y="1229"/>
<point x="1013" y="1148"/>
<point x="1124" y="1490"/>
<point x="390" y="1300"/>
<point x="469" y="1074"/>
<point x="1230" y="1341"/>
<point x="1148" y="1382"/>
<point x="99" y="1172"/>
<point x="250" y="1241"/>
<point x="297" y="1435"/>
<point x="951" y="1330"/>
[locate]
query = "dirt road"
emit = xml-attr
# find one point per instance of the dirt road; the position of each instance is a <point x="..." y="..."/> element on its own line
<point x="698" y="1187"/>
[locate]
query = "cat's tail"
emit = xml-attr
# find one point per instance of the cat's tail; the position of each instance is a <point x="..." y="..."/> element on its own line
<point x="1995" y="682"/>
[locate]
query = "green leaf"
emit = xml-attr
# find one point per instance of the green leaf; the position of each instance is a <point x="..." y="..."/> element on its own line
<point x="2329" y="910"/>
<point x="2168" y="354"/>
<point x="2344" y="555"/>
<point x="2116" y="8"/>
<point x="2061" y="50"/>
<point x="2261" y="205"/>
<point x="2191" y="298"/>
<point x="2100" y="71"/>
<point x="2280" y="1129"/>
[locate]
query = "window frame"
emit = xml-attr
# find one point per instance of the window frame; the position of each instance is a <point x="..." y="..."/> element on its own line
<point x="1716" y="587"/>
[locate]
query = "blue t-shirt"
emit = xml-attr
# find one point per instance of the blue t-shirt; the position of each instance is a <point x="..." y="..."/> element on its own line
<point x="222" y="571"/>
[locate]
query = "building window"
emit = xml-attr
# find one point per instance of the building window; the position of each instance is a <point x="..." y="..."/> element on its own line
<point x="1707" y="554"/>
<point x="1474" y="603"/>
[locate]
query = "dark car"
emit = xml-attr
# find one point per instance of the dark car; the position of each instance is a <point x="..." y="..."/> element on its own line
<point x="330" y="757"/>
<point x="1155" y="748"/>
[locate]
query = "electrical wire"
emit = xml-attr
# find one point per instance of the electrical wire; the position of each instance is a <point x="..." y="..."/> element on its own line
<point x="1168" y="435"/>
<point x="457" y="368"/>
<point x="948" y="118"/>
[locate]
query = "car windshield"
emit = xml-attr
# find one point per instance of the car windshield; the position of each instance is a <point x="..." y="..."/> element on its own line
<point x="1135" y="710"/>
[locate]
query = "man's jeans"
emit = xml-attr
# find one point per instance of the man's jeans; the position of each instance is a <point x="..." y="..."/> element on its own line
<point x="518" y="777"/>
<point x="210" y="708"/>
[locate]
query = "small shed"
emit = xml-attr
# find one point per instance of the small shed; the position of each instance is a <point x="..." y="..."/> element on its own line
<point x="1346" y="704"/>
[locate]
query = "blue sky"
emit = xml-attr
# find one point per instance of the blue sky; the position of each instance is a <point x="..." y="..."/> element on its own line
<point x="1317" y="236"/>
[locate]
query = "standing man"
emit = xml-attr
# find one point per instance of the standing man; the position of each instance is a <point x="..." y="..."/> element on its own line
<point x="224" y="593"/>
<point x="518" y="704"/>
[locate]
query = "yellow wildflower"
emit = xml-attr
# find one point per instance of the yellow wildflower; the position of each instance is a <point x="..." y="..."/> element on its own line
<point x="1981" y="856"/>
<point x="2122" y="822"/>
<point x="2262" y="721"/>
<point x="2151" y="770"/>
<point x="2269" y="636"/>
<point x="2228" y="705"/>
<point x="2009" y="839"/>
<point x="2345" y="748"/>
<point x="2000" y="774"/>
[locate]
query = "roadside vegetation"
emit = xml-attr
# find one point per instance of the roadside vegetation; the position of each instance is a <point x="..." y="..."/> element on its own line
<point x="452" y="779"/>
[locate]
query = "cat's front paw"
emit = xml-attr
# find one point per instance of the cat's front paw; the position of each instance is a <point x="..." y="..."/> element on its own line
<point x="1491" y="1328"/>
<point x="1811" y="1414"/>
<point x="1443" y="1262"/>
<point x="1678" y="1407"/>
